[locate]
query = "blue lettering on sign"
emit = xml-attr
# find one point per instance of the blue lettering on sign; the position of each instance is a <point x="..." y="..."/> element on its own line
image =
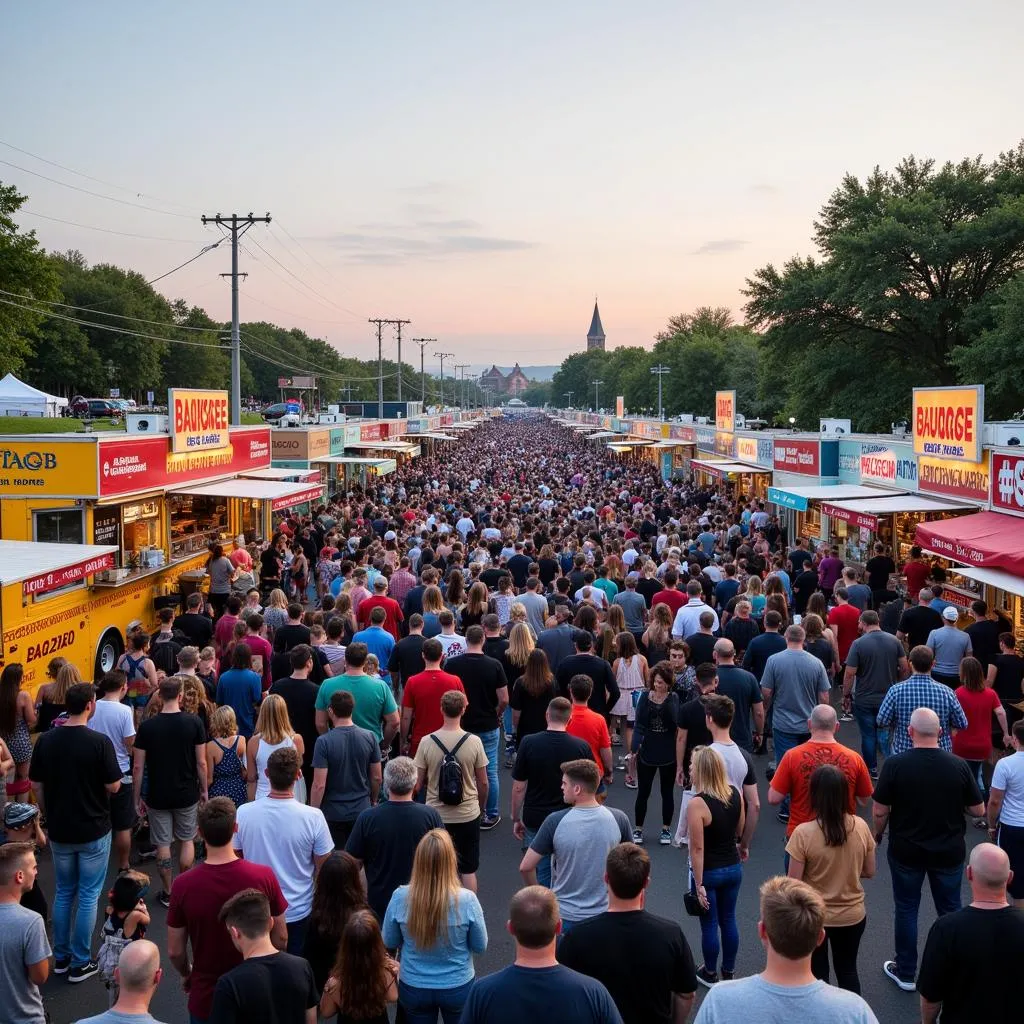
<point x="785" y="499"/>
<point x="32" y="461"/>
<point x="906" y="470"/>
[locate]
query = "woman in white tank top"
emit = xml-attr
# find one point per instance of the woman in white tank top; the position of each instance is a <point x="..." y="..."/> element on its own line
<point x="273" y="731"/>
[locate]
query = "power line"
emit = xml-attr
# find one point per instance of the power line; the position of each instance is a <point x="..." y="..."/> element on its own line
<point x="290" y="273"/>
<point x="106" y="231"/>
<point x="202" y="252"/>
<point x="327" y="279"/>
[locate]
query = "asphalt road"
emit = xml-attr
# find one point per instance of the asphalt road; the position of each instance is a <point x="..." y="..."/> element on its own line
<point x="499" y="879"/>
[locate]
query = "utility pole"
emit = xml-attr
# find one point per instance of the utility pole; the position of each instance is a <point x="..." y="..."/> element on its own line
<point x="660" y="371"/>
<point x="423" y="343"/>
<point x="236" y="226"/>
<point x="443" y="356"/>
<point x="597" y="384"/>
<point x="398" y="328"/>
<point x="462" y="394"/>
<point x="568" y="394"/>
<point x="348" y="392"/>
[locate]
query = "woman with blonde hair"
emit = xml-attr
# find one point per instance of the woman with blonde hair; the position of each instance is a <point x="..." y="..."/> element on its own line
<point x="658" y="634"/>
<point x="225" y="757"/>
<point x="714" y="821"/>
<point x="433" y="605"/>
<point x="476" y="607"/>
<point x="517" y="617"/>
<point x="438" y="925"/>
<point x="273" y="731"/>
<point x="194" y="701"/>
<point x="51" y="702"/>
<point x="755" y="595"/>
<point x="343" y="610"/>
<point x="275" y="615"/>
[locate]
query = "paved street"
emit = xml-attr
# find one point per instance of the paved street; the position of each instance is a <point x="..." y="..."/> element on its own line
<point x="499" y="879"/>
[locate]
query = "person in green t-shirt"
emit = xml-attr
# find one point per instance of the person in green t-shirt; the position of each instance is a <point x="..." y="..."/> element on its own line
<point x="375" y="709"/>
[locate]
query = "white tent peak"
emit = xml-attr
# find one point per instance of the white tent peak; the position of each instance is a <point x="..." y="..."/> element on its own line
<point x="20" y="399"/>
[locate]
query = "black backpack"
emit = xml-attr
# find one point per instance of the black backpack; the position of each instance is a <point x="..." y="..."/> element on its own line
<point x="449" y="776"/>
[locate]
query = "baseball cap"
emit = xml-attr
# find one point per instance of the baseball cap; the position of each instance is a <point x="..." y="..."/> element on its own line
<point x="950" y="614"/>
<point x="19" y="815"/>
<point x="391" y="535"/>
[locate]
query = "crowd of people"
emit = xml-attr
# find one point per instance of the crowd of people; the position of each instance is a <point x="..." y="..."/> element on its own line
<point x="319" y="740"/>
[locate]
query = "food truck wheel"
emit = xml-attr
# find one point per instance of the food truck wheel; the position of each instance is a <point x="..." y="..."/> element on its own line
<point x="111" y="647"/>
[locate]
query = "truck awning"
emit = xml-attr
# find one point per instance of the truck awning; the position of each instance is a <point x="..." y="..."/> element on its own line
<point x="282" y="495"/>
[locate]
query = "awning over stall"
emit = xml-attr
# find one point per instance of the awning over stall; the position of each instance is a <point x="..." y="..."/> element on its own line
<point x="727" y="468"/>
<point x="276" y="473"/>
<point x="434" y="435"/>
<point x="799" y="497"/>
<point x="987" y="540"/>
<point x="282" y="495"/>
<point x="404" y="447"/>
<point x="865" y="511"/>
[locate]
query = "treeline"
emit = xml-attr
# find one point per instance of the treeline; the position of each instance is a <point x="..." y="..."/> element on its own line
<point x="918" y="281"/>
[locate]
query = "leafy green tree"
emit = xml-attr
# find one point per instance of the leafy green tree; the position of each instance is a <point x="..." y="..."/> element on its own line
<point x="24" y="271"/>
<point x="207" y="362"/>
<point x="538" y="393"/>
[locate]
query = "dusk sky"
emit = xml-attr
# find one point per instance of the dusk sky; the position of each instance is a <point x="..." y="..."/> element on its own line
<point x="484" y="169"/>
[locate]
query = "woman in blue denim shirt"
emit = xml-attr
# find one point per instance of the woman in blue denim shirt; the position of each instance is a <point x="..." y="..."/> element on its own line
<point x="439" y="926"/>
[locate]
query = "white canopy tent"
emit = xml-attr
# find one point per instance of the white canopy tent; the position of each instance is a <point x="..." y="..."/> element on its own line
<point x="20" y="399"/>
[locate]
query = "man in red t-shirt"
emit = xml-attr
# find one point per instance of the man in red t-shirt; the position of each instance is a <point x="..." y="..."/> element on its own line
<point x="260" y="647"/>
<point x="393" y="616"/>
<point x="917" y="571"/>
<point x="196" y="898"/>
<point x="845" y="617"/>
<point x="588" y="725"/>
<point x="792" y="778"/>
<point x="674" y="598"/>
<point x="421" y="699"/>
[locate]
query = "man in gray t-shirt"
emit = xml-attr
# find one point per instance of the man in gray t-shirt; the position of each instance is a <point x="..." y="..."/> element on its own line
<point x="950" y="645"/>
<point x="346" y="769"/>
<point x="633" y="606"/>
<point x="577" y="840"/>
<point x="24" y="951"/>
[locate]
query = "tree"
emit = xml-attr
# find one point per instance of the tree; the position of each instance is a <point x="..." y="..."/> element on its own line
<point x="26" y="272"/>
<point x="208" y="361"/>
<point x="910" y="269"/>
<point x="538" y="394"/>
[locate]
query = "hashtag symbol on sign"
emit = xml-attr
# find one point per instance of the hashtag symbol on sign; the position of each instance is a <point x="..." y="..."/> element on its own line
<point x="1018" y="482"/>
<point x="1006" y="483"/>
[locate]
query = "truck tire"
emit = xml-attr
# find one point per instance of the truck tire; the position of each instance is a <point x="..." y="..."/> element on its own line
<point x="109" y="649"/>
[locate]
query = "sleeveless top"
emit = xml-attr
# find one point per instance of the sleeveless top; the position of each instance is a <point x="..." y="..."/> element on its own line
<point x="720" y="835"/>
<point x="227" y="775"/>
<point x="263" y="752"/>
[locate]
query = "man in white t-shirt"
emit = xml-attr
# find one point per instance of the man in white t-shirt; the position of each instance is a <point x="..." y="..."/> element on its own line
<point x="116" y="722"/>
<point x="453" y="644"/>
<point x="739" y="768"/>
<point x="465" y="526"/>
<point x="291" y="839"/>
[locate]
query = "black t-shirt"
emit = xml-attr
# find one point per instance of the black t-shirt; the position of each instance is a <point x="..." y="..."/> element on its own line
<point x="878" y="570"/>
<point x="300" y="697"/>
<point x="290" y="635"/>
<point x="531" y="709"/>
<point x="539" y="761"/>
<point x="606" y="689"/>
<point x="804" y="585"/>
<point x="971" y="965"/>
<point x="519" y="566"/>
<point x="496" y="647"/>
<point x="760" y="649"/>
<point x="490" y="577"/>
<point x="798" y="558"/>
<point x="741" y="632"/>
<point x="648" y="587"/>
<point x="642" y="959"/>
<point x="693" y="718"/>
<point x="270" y="565"/>
<point x="656" y="725"/>
<point x="274" y="989"/>
<point x="481" y="677"/>
<point x="984" y="636"/>
<point x="702" y="646"/>
<point x="172" y="773"/>
<point x="918" y="622"/>
<point x="548" y="570"/>
<point x="1009" y="676"/>
<point x="164" y="653"/>
<point x="385" y="838"/>
<point x="927" y="790"/>
<point x="197" y="627"/>
<point x="744" y="690"/>
<point x="407" y="656"/>
<point x="75" y="764"/>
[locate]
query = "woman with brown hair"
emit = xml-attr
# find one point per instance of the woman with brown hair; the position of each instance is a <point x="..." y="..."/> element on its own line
<point x="658" y="634"/>
<point x="531" y="693"/>
<point x="438" y="925"/>
<point x="337" y="895"/>
<point x="616" y="619"/>
<point x="194" y="701"/>
<point x="433" y="605"/>
<point x="586" y="619"/>
<point x="980" y="703"/>
<point x="455" y="598"/>
<point x="364" y="979"/>
<point x="630" y="670"/>
<point x="17" y="716"/>
<point x="818" y="605"/>
<point x="818" y="644"/>
<point x="476" y="607"/>
<point x="343" y="610"/>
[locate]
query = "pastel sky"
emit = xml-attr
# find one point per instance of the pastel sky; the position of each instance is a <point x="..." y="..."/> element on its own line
<point x="484" y="169"/>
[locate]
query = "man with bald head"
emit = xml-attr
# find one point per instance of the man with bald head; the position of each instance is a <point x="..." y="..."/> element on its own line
<point x="971" y="961"/>
<point x="138" y="972"/>
<point x="921" y="796"/>
<point x="792" y="777"/>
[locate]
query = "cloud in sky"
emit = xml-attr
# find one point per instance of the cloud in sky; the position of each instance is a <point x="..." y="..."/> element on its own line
<point x="717" y="246"/>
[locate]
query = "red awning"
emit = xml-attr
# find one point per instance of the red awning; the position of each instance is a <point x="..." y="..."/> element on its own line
<point x="984" y="539"/>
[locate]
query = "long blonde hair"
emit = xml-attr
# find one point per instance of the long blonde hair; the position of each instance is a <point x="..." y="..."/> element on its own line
<point x="520" y="644"/>
<point x="616" y="618"/>
<point x="277" y="600"/>
<point x="660" y="628"/>
<point x="273" y="723"/>
<point x="433" y="888"/>
<point x="67" y="676"/>
<point x="707" y="772"/>
<point x="433" y="601"/>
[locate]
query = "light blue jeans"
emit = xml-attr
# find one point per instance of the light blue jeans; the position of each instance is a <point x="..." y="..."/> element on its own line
<point x="490" y="742"/>
<point x="544" y="864"/>
<point x="81" y="870"/>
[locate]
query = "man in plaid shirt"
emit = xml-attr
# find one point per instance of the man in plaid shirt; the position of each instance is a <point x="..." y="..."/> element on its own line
<point x="402" y="581"/>
<point x="920" y="691"/>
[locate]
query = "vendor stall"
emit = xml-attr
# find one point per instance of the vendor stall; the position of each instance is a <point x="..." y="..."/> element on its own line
<point x="345" y="471"/>
<point x="800" y="507"/>
<point x="740" y="477"/>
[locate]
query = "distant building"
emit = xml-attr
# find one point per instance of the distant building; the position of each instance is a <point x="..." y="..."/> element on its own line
<point x="595" y="336"/>
<point x="513" y="383"/>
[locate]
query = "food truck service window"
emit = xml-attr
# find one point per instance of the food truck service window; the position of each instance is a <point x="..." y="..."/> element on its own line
<point x="196" y="520"/>
<point x="59" y="526"/>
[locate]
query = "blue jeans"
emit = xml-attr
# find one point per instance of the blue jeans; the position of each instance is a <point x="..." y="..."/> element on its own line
<point x="544" y="865"/>
<point x="873" y="738"/>
<point x="723" y="889"/>
<point x="81" y="870"/>
<point x="490" y="742"/>
<point x="297" y="935"/>
<point x="506" y="722"/>
<point x="906" y="896"/>
<point x="421" y="1005"/>
<point x="786" y="741"/>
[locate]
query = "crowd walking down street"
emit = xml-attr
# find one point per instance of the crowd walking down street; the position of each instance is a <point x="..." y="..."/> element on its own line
<point x="542" y="736"/>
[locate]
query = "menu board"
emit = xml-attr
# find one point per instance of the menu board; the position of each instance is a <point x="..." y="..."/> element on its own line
<point x="106" y="525"/>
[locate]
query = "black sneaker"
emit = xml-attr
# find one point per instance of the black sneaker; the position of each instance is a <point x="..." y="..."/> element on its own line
<point x="164" y="898"/>
<point x="85" y="971"/>
<point x="728" y="975"/>
<point x="783" y="816"/>
<point x="62" y="965"/>
<point x="705" y="977"/>
<point x="486" y="824"/>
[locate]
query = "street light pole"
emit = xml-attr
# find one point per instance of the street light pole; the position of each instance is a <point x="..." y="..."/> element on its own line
<point x="660" y="371"/>
<point x="443" y="356"/>
<point x="597" y="385"/>
<point x="568" y="394"/>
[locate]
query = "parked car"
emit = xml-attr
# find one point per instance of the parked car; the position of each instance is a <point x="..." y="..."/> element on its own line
<point x="275" y="411"/>
<point x="99" y="408"/>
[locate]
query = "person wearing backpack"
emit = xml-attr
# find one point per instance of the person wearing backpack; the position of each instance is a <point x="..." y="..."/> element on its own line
<point x="165" y="646"/>
<point x="452" y="766"/>
<point x="140" y="673"/>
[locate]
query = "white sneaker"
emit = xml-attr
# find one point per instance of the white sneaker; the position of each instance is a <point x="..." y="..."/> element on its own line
<point x="889" y="967"/>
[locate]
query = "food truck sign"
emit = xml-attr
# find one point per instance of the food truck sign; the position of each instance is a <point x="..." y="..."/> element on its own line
<point x="66" y="575"/>
<point x="948" y="422"/>
<point x="725" y="411"/>
<point x="199" y="419"/>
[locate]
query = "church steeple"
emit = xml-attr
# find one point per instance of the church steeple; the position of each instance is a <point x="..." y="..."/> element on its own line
<point x="595" y="336"/>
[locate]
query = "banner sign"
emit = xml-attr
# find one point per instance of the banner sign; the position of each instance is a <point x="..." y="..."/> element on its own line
<point x="784" y="499"/>
<point x="291" y="500"/>
<point x="199" y="419"/>
<point x="854" y="518"/>
<point x="948" y="421"/>
<point x="954" y="479"/>
<point x="620" y="406"/>
<point x="372" y="431"/>
<point x="725" y="411"/>
<point x="42" y="467"/>
<point x="1008" y="483"/>
<point x="705" y="438"/>
<point x="892" y="464"/>
<point x="849" y="462"/>
<point x="796" y="456"/>
<point x="68" y="574"/>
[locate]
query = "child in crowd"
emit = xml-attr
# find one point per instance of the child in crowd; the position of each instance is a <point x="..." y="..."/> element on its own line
<point x="207" y="670"/>
<point x="21" y="825"/>
<point x="127" y="918"/>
